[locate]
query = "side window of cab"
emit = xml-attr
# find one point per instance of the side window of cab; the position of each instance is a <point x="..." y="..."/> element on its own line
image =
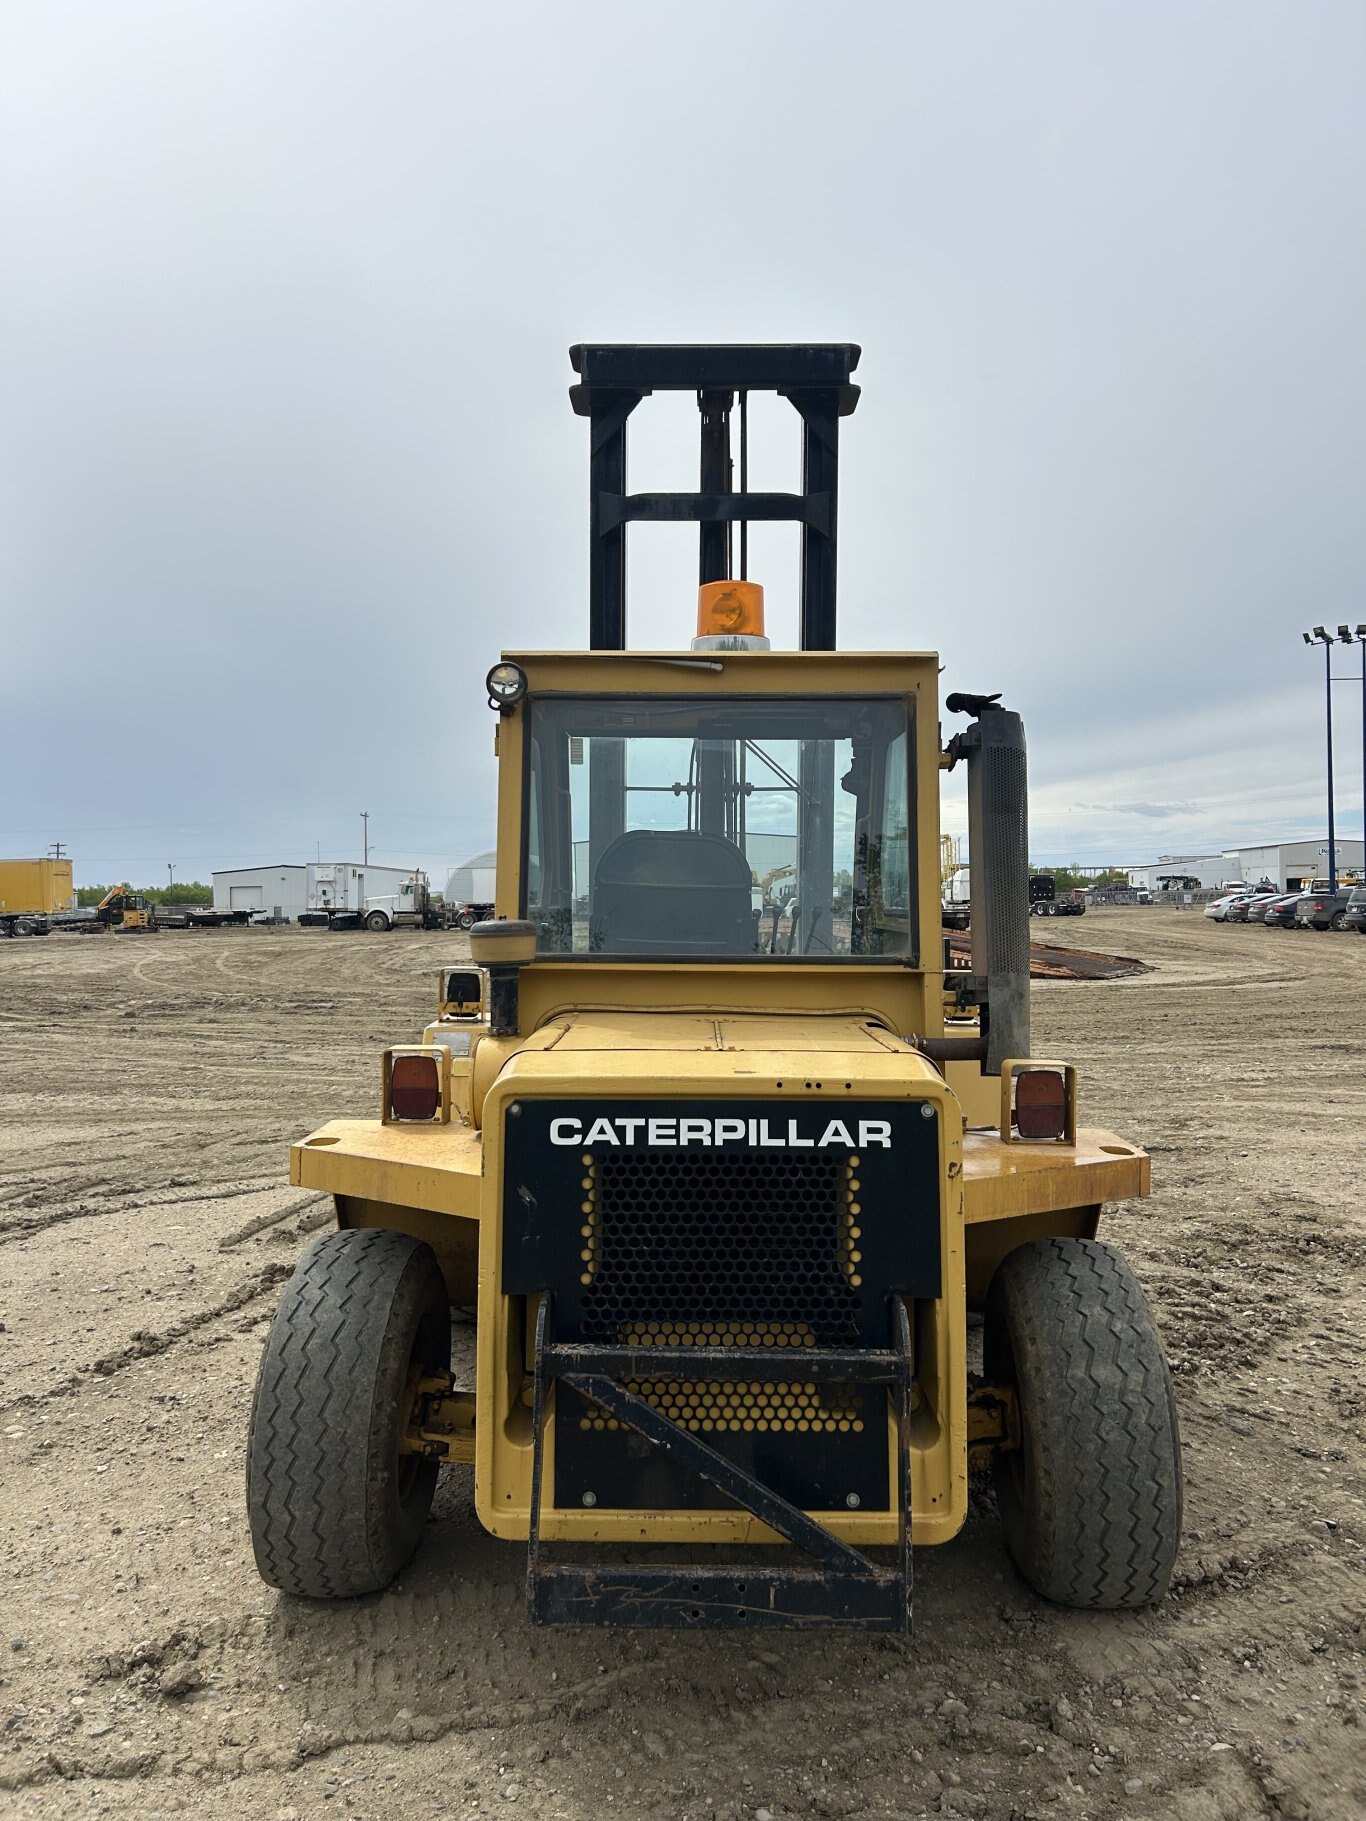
<point x="894" y="860"/>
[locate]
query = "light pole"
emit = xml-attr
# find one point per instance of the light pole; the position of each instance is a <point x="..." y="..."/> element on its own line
<point x="365" y="838"/>
<point x="1320" y="636"/>
<point x="1345" y="634"/>
<point x="170" y="875"/>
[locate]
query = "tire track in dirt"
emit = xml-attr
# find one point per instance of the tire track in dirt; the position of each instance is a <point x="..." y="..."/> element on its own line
<point x="147" y="1343"/>
<point x="1239" y="1696"/>
<point x="22" y="1227"/>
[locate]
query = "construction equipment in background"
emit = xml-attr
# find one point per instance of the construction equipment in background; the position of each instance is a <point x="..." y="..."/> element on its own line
<point x="121" y="908"/>
<point x="724" y="1204"/>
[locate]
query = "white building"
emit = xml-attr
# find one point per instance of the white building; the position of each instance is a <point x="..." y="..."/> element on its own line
<point x="1291" y="864"/>
<point x="472" y="882"/>
<point x="1288" y="864"/>
<point x="1208" y="870"/>
<point x="285" y="891"/>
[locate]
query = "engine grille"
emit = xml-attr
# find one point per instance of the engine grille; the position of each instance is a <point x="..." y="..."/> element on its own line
<point x="758" y="1407"/>
<point x="721" y="1248"/>
<point x="791" y="1239"/>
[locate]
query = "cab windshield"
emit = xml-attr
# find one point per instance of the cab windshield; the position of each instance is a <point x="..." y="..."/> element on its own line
<point x="694" y="828"/>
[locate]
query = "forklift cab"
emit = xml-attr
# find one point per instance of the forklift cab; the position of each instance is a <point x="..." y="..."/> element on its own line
<point x="652" y="822"/>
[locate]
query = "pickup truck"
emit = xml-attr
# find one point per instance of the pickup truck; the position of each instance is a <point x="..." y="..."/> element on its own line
<point x="1324" y="909"/>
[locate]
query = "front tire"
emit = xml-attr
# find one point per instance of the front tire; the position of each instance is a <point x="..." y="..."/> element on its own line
<point x="335" y="1509"/>
<point x="1091" y="1501"/>
<point x="1336" y="920"/>
<point x="377" y="923"/>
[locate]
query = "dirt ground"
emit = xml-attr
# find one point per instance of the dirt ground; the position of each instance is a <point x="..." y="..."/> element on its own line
<point x="149" y="1087"/>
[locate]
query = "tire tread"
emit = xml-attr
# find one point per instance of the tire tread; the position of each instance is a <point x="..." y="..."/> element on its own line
<point x="311" y="1496"/>
<point x="1104" y="1466"/>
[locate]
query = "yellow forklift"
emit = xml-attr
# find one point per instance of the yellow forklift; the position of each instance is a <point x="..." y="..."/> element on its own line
<point x="729" y="1182"/>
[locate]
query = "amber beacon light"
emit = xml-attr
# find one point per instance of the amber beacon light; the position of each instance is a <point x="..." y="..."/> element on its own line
<point x="730" y="617"/>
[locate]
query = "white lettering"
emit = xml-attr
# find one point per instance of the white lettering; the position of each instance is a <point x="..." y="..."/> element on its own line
<point x="709" y="1132"/>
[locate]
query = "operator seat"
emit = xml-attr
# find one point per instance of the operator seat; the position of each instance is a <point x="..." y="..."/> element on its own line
<point x="672" y="892"/>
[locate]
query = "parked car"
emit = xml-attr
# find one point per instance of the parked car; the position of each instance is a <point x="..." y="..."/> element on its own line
<point x="1218" y="907"/>
<point x="1324" y="910"/>
<point x="1240" y="909"/>
<point x="1354" y="917"/>
<point x="1280" y="913"/>
<point x="1259" y="905"/>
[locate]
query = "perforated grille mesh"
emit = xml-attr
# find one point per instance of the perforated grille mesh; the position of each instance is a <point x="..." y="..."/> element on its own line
<point x="759" y="1407"/>
<point x="721" y="1249"/>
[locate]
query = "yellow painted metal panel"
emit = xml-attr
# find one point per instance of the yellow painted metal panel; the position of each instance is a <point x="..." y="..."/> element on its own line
<point x="38" y="886"/>
<point x="420" y="1166"/>
<point x="1001" y="1180"/>
<point x="821" y="1033"/>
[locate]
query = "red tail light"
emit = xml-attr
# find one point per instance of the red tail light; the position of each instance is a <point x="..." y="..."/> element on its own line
<point x="1040" y="1104"/>
<point x="415" y="1087"/>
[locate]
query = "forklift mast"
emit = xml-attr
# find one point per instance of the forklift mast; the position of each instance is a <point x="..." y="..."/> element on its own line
<point x="615" y="377"/>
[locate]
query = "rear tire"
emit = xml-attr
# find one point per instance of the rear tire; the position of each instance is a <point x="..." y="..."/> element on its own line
<point x="335" y="1509"/>
<point x="466" y="920"/>
<point x="1091" y="1501"/>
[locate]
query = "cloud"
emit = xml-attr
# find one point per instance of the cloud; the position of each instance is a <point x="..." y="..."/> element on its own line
<point x="1157" y="811"/>
<point x="288" y="455"/>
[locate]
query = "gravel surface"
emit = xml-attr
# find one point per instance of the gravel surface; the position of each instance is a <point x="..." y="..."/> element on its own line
<point x="149" y="1088"/>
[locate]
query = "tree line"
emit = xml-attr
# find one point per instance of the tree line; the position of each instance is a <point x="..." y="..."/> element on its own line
<point x="191" y="892"/>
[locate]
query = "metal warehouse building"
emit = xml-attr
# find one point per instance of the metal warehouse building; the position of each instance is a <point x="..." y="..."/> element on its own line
<point x="1208" y="870"/>
<point x="1291" y="864"/>
<point x="285" y="891"/>
<point x="1288" y="864"/>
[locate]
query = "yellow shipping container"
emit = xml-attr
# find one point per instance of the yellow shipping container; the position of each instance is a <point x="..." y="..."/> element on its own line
<point x="36" y="885"/>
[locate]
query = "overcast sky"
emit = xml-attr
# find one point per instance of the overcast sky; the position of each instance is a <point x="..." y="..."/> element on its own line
<point x="287" y="290"/>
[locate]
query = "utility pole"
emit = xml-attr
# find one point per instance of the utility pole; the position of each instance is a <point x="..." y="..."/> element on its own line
<point x="170" y="875"/>
<point x="365" y="838"/>
<point x="56" y="849"/>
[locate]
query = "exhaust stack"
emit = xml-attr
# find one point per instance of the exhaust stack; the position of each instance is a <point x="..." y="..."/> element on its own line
<point x="998" y="842"/>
